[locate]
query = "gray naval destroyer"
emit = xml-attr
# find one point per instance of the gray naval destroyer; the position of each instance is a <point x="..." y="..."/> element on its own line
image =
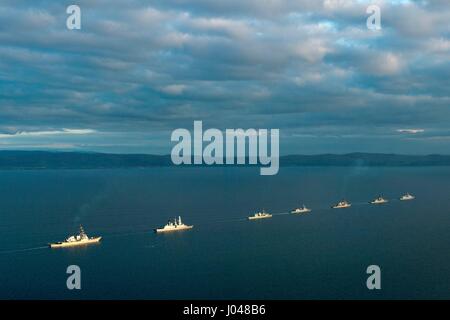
<point x="342" y="204"/>
<point x="80" y="239"/>
<point x="260" y="215"/>
<point x="379" y="200"/>
<point x="175" y="225"/>
<point x="407" y="197"/>
<point x="303" y="209"/>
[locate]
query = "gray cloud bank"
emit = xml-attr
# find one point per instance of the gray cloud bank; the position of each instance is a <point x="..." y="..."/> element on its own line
<point x="139" y="69"/>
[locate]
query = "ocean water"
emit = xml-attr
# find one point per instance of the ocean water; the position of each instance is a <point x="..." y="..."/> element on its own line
<point x="321" y="255"/>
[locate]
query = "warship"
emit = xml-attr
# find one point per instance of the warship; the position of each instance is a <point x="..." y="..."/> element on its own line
<point x="77" y="240"/>
<point x="175" y="225"/>
<point x="406" y="197"/>
<point x="379" y="200"/>
<point x="260" y="215"/>
<point x="342" y="204"/>
<point x="303" y="209"/>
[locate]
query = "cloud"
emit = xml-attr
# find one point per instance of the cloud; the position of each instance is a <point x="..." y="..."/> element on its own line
<point x="411" y="131"/>
<point x="384" y="64"/>
<point x="308" y="67"/>
<point x="47" y="133"/>
<point x="174" y="89"/>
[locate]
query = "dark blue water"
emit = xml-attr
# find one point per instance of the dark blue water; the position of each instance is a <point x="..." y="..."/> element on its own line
<point x="321" y="255"/>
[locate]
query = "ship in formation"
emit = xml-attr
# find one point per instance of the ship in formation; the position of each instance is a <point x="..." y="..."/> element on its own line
<point x="260" y="215"/>
<point x="342" y="204"/>
<point x="174" y="225"/>
<point x="407" y="197"/>
<point x="303" y="209"/>
<point x="379" y="200"/>
<point x="80" y="239"/>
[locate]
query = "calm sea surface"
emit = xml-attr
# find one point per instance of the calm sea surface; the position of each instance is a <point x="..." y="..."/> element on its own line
<point x="320" y="255"/>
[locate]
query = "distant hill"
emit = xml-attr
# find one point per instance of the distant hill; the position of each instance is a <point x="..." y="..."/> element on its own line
<point x="87" y="160"/>
<point x="77" y="160"/>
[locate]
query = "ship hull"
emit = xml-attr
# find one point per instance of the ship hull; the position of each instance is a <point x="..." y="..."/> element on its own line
<point x="378" y="202"/>
<point x="174" y="229"/>
<point x="300" y="212"/>
<point x="342" y="207"/>
<point x="75" y="244"/>
<point x="257" y="218"/>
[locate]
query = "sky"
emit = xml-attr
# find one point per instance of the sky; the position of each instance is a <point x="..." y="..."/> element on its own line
<point x="137" y="70"/>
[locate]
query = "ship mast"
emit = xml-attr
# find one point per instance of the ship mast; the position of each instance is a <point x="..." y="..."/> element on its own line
<point x="82" y="230"/>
